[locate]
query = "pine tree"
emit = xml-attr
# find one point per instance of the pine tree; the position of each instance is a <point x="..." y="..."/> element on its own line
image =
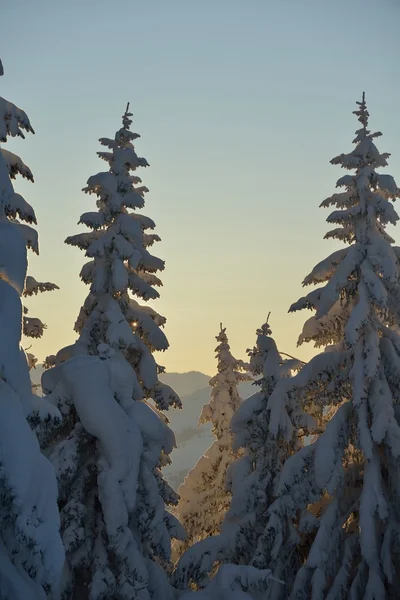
<point x="252" y="476"/>
<point x="109" y="451"/>
<point x="352" y="470"/>
<point x="204" y="498"/>
<point x="31" y="553"/>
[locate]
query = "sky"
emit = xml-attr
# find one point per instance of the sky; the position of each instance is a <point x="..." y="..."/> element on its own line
<point x="240" y="106"/>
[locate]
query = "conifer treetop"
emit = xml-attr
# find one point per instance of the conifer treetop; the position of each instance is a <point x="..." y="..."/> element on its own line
<point x="363" y="211"/>
<point x="121" y="266"/>
<point x="225" y="398"/>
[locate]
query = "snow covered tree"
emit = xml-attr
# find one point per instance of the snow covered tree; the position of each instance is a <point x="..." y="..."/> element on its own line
<point x="252" y="477"/>
<point x="31" y="553"/>
<point x="114" y="440"/>
<point x="204" y="498"/>
<point x="353" y="469"/>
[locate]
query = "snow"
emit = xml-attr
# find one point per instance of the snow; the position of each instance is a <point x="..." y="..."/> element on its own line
<point x="33" y="287"/>
<point x="120" y="438"/>
<point x="30" y="236"/>
<point x="13" y="121"/>
<point x="325" y="269"/>
<point x="32" y="539"/>
<point x="14" y="583"/>
<point x="6" y="188"/>
<point x="15" y="165"/>
<point x="13" y="363"/>
<point x="13" y="260"/>
<point x="18" y="206"/>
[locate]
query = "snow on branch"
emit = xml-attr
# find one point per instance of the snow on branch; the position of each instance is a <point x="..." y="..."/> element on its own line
<point x="33" y="287"/>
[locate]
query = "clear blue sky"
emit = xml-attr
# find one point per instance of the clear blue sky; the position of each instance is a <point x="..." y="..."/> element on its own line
<point x="240" y="105"/>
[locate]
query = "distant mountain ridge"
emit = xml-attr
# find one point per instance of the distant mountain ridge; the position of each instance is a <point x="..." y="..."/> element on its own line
<point x="185" y="384"/>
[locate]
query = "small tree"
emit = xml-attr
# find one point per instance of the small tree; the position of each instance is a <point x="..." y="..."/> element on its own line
<point x="252" y="477"/>
<point x="204" y="498"/>
<point x="31" y="553"/>
<point x="352" y="469"/>
<point x="113" y="442"/>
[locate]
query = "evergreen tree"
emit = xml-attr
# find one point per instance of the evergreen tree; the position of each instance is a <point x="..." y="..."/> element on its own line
<point x="255" y="475"/>
<point x="252" y="477"/>
<point x="204" y="498"/>
<point x="352" y="470"/>
<point x="31" y="553"/>
<point x="114" y="440"/>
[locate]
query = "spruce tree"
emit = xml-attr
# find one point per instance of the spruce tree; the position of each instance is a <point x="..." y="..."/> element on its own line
<point x="255" y="475"/>
<point x="352" y="470"/>
<point x="31" y="553"/>
<point x="204" y="498"/>
<point x="114" y="440"/>
<point x="252" y="477"/>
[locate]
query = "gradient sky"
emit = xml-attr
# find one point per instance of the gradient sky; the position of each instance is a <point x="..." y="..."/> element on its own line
<point x="240" y="105"/>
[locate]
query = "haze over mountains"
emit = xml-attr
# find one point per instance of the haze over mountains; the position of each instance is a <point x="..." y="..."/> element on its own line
<point x="192" y="441"/>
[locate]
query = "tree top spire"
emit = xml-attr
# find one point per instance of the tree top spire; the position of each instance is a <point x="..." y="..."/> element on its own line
<point x="266" y="327"/>
<point x="362" y="113"/>
<point x="126" y="121"/>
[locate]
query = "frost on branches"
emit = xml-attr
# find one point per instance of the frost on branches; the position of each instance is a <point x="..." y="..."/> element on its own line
<point x="204" y="498"/>
<point x="353" y="469"/>
<point x="114" y="440"/>
<point x="252" y="477"/>
<point x="31" y="553"/>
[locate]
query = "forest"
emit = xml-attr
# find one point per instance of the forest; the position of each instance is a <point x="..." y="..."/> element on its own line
<point x="298" y="495"/>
